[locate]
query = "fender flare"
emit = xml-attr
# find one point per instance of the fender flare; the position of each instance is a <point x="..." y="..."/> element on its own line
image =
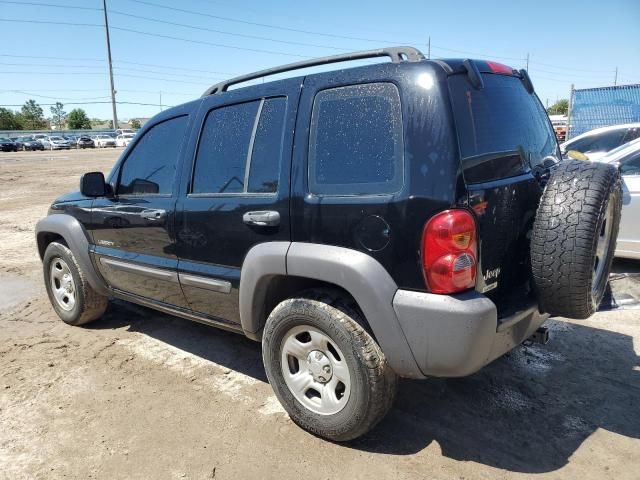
<point x="74" y="234"/>
<point x="358" y="273"/>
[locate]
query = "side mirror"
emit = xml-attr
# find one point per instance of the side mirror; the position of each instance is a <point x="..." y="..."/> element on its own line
<point x="92" y="184"/>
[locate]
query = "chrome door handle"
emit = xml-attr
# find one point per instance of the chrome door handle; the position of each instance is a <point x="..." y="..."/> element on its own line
<point x="263" y="218"/>
<point x="153" y="214"/>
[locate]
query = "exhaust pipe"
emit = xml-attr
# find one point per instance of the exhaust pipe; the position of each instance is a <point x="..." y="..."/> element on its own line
<point x="541" y="335"/>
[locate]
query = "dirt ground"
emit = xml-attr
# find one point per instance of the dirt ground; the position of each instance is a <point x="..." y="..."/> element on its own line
<point x="140" y="394"/>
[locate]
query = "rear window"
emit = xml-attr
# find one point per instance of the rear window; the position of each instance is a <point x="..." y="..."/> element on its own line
<point x="503" y="130"/>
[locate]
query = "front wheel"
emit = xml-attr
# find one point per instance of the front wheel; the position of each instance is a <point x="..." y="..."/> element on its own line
<point x="325" y="368"/>
<point x="72" y="297"/>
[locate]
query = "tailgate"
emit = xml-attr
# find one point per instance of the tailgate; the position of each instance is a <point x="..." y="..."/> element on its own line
<point x="504" y="135"/>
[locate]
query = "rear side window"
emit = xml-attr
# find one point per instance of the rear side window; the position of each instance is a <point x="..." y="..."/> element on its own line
<point x="600" y="142"/>
<point x="356" y="141"/>
<point x="150" y="168"/>
<point x="502" y="129"/>
<point x="240" y="148"/>
<point x="631" y="164"/>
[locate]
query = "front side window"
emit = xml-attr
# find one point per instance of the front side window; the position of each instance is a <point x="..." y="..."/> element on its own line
<point x="150" y="168"/>
<point x="240" y="148"/>
<point x="356" y="141"/>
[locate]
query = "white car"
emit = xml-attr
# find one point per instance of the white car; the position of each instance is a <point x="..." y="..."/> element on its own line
<point x="628" y="157"/>
<point x="103" y="141"/>
<point x="122" y="131"/>
<point x="595" y="144"/>
<point x="124" y="139"/>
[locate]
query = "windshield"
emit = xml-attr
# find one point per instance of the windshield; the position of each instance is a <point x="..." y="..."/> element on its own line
<point x="57" y="139"/>
<point x="503" y="130"/>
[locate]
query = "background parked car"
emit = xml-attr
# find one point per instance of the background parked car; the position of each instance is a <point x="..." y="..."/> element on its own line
<point x="30" y="143"/>
<point x="102" y="141"/>
<point x="122" y="131"/>
<point x="8" y="145"/>
<point x="73" y="140"/>
<point x="85" y="142"/>
<point x="124" y="139"/>
<point x="596" y="143"/>
<point x="55" y="142"/>
<point x="628" y="157"/>
<point x="39" y="137"/>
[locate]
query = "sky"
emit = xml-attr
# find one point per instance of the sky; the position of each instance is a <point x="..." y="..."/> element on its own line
<point x="167" y="52"/>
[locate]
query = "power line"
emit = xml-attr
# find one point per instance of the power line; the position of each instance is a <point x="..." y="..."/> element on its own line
<point x="254" y="37"/>
<point x="475" y="54"/>
<point x="29" y="94"/>
<point x="91" y="103"/>
<point x="117" y="62"/>
<point x="52" y="5"/>
<point x="50" y="22"/>
<point x="53" y="58"/>
<point x="144" y="77"/>
<point x="266" y="25"/>
<point x="202" y="42"/>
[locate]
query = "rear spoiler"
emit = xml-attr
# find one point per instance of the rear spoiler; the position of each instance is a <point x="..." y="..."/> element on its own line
<point x="475" y="68"/>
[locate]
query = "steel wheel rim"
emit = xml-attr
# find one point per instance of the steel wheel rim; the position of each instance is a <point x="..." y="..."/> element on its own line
<point x="315" y="370"/>
<point x="62" y="285"/>
<point x="603" y="249"/>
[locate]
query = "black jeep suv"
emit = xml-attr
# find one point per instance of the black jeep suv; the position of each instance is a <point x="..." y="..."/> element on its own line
<point x="407" y="219"/>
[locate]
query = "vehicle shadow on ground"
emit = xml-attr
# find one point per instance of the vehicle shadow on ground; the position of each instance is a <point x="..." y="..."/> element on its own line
<point x="527" y="412"/>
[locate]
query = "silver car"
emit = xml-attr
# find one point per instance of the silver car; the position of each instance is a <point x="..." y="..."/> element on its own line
<point x="53" y="142"/>
<point x="628" y="157"/>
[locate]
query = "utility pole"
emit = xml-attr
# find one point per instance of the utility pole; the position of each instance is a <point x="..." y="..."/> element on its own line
<point x="615" y="78"/>
<point x="527" y="62"/>
<point x="429" y="48"/>
<point x="569" y="112"/>
<point x="113" y="89"/>
<point x="160" y="100"/>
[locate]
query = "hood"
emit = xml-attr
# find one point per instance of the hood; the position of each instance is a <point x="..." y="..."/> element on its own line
<point x="70" y="197"/>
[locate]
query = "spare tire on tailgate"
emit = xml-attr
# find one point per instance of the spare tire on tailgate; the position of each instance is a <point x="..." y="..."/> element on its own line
<point x="574" y="237"/>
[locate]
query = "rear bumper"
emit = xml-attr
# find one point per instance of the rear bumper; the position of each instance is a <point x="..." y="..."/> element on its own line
<point x="456" y="335"/>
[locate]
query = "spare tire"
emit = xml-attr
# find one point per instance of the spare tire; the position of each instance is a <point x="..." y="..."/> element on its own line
<point x="574" y="237"/>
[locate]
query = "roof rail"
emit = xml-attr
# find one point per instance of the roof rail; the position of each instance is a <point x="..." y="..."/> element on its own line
<point x="396" y="54"/>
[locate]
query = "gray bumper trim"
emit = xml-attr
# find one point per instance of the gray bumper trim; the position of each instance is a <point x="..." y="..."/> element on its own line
<point x="456" y="335"/>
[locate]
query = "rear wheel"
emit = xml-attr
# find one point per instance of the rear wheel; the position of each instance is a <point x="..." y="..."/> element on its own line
<point x="325" y="368"/>
<point x="71" y="295"/>
<point x="574" y="237"/>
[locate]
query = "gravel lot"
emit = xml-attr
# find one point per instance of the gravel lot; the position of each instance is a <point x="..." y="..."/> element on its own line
<point x="143" y="395"/>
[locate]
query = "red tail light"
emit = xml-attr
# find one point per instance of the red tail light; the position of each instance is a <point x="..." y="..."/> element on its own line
<point x="449" y="252"/>
<point x="499" y="68"/>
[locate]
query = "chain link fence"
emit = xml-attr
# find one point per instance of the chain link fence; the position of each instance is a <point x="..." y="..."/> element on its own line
<point x="600" y="107"/>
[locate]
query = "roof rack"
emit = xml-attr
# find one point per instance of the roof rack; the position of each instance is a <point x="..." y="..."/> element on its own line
<point x="396" y="54"/>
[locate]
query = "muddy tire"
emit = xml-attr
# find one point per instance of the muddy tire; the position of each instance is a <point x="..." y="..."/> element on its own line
<point x="71" y="295"/>
<point x="328" y="372"/>
<point x="574" y="237"/>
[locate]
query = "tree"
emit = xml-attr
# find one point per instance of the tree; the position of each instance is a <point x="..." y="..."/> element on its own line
<point x="58" y="115"/>
<point x="31" y="115"/>
<point x="561" y="107"/>
<point x="78" y="120"/>
<point x="135" y="123"/>
<point x="9" y="120"/>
